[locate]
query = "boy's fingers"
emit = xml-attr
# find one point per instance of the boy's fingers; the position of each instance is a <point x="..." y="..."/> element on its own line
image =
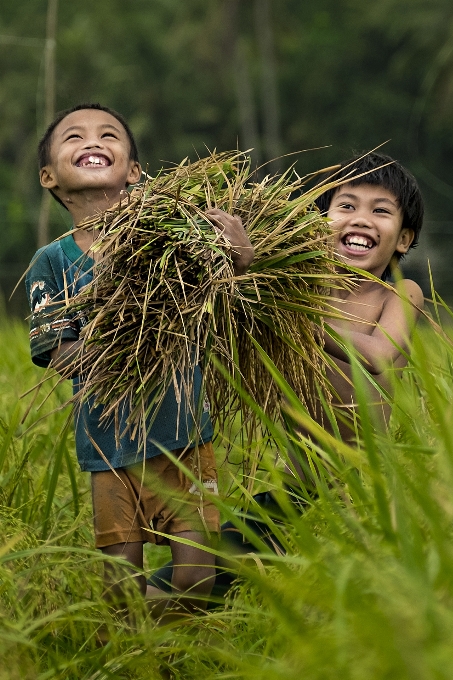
<point x="231" y="227"/>
<point x="223" y="219"/>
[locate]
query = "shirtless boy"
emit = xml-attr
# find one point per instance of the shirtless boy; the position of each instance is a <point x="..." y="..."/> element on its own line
<point x="376" y="219"/>
<point x="87" y="158"/>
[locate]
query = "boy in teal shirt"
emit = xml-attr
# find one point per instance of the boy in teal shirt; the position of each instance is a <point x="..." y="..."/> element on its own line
<point x="88" y="157"/>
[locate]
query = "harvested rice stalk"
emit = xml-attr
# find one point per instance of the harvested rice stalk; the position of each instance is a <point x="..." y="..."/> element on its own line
<point x="164" y="296"/>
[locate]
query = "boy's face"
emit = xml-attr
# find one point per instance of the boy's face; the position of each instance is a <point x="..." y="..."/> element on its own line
<point x="367" y="222"/>
<point x="90" y="150"/>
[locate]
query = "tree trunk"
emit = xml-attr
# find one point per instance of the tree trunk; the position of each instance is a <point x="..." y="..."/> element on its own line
<point x="49" y="109"/>
<point x="269" y="90"/>
<point x="239" y="58"/>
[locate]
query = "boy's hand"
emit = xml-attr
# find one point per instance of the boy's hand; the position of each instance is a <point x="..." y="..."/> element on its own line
<point x="231" y="227"/>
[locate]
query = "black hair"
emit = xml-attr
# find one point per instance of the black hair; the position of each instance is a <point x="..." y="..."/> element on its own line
<point x="382" y="170"/>
<point x="45" y="143"/>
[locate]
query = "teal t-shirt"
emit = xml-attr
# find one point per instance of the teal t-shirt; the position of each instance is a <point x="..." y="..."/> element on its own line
<point x="57" y="272"/>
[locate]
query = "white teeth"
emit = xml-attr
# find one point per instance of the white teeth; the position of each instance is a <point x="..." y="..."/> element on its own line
<point x="93" y="160"/>
<point x="357" y="242"/>
<point x="356" y="246"/>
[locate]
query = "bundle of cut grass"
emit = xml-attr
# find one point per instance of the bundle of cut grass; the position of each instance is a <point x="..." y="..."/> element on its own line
<point x="164" y="297"/>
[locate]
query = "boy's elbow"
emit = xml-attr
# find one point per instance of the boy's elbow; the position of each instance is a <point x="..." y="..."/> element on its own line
<point x="380" y="363"/>
<point x="66" y="371"/>
<point x="373" y="369"/>
<point x="64" y="368"/>
<point x="64" y="359"/>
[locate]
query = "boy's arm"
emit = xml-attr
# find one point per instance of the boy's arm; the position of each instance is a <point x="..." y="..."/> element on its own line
<point x="242" y="252"/>
<point x="51" y="325"/>
<point x="64" y="356"/>
<point x="396" y="323"/>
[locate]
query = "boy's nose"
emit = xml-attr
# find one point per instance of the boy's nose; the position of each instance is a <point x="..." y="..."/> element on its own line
<point x="93" y="143"/>
<point x="362" y="220"/>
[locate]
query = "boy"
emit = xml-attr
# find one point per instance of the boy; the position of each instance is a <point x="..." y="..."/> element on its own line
<point x="376" y="218"/>
<point x="87" y="158"/>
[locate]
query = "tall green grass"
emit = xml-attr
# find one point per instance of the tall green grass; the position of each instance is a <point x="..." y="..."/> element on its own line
<point x="364" y="589"/>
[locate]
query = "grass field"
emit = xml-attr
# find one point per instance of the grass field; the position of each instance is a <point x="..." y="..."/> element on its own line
<point x="365" y="589"/>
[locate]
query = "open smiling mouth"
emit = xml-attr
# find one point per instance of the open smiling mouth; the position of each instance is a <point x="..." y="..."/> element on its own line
<point x="358" y="242"/>
<point x="93" y="161"/>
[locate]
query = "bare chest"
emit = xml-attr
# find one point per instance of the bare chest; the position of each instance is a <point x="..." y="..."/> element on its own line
<point x="360" y="314"/>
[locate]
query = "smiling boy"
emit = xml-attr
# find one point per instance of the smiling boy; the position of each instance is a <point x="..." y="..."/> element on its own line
<point x="376" y="219"/>
<point x="88" y="157"/>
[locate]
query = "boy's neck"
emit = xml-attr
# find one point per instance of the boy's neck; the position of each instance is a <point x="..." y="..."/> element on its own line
<point x="89" y="203"/>
<point x="84" y="205"/>
<point x="362" y="286"/>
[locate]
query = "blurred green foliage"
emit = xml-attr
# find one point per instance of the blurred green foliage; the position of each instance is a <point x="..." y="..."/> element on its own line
<point x="364" y="589"/>
<point x="189" y="75"/>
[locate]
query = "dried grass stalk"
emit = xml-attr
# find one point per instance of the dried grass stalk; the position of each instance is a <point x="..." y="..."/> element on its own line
<point x="164" y="296"/>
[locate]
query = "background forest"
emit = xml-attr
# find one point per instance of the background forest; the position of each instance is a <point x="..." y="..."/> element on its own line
<point x="280" y="76"/>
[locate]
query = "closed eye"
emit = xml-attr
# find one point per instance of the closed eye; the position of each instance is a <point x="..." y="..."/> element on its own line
<point x="74" y="135"/>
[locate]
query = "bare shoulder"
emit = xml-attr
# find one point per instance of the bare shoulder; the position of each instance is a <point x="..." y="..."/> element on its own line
<point x="411" y="290"/>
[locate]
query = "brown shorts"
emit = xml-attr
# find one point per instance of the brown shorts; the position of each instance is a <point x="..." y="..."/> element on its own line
<point x="155" y="495"/>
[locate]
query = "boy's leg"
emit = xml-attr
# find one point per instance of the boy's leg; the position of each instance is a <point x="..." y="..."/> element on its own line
<point x="193" y="577"/>
<point x="115" y="589"/>
<point x="231" y="541"/>
<point x="194" y="518"/>
<point x="132" y="553"/>
<point x="193" y="568"/>
<point x="117" y="528"/>
<point x="126" y="503"/>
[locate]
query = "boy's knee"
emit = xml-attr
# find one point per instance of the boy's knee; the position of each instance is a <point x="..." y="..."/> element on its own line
<point x="120" y="578"/>
<point x="118" y="584"/>
<point x="197" y="580"/>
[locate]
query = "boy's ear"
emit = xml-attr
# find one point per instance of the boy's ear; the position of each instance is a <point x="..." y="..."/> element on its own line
<point x="47" y="178"/>
<point x="135" y="172"/>
<point x="404" y="240"/>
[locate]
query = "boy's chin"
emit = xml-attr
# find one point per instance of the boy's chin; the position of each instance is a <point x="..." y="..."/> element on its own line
<point x="95" y="182"/>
